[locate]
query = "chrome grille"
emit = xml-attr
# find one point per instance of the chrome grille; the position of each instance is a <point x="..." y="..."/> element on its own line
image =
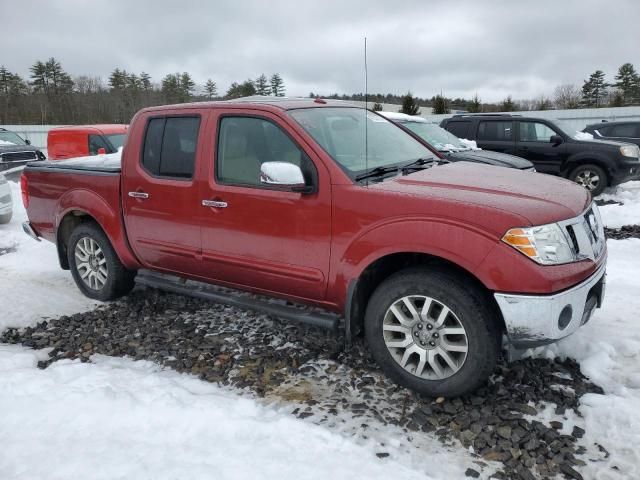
<point x="586" y="234"/>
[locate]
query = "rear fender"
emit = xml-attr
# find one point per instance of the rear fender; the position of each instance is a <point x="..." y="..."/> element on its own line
<point x="103" y="213"/>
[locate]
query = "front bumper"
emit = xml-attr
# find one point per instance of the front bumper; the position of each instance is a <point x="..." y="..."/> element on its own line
<point x="627" y="170"/>
<point x="535" y="320"/>
<point x="28" y="229"/>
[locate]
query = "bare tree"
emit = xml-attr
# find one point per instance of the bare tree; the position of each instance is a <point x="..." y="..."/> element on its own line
<point x="567" y="96"/>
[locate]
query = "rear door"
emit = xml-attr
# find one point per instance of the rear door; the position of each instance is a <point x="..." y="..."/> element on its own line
<point x="160" y="190"/>
<point x="533" y="143"/>
<point x="496" y="135"/>
<point x="256" y="236"/>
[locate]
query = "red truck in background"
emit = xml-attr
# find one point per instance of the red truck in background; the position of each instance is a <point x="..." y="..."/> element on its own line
<point x="84" y="140"/>
<point x="439" y="266"/>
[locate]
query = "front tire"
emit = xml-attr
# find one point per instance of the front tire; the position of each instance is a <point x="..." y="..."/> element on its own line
<point x="95" y="267"/>
<point x="591" y="177"/>
<point x="432" y="331"/>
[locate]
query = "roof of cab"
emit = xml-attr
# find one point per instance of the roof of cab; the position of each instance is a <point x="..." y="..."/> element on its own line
<point x="279" y="103"/>
<point x="107" y="128"/>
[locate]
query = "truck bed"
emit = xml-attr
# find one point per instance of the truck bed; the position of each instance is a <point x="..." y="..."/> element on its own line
<point x="97" y="163"/>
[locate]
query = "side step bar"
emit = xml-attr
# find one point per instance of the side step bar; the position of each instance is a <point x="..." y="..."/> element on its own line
<point x="205" y="291"/>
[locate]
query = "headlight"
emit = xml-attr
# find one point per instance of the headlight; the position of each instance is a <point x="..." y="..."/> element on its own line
<point x="630" y="151"/>
<point x="546" y="244"/>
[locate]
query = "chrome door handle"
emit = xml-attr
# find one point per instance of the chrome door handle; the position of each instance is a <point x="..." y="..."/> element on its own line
<point x="138" y="194"/>
<point x="214" y="204"/>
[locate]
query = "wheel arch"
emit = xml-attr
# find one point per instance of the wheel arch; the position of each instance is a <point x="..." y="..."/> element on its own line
<point x="362" y="287"/>
<point x="590" y="158"/>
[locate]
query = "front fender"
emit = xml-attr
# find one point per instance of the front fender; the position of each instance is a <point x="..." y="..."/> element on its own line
<point x="460" y="243"/>
<point x="585" y="157"/>
<point x="105" y="212"/>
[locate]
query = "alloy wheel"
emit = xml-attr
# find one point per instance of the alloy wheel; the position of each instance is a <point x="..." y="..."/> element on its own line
<point x="425" y="337"/>
<point x="91" y="263"/>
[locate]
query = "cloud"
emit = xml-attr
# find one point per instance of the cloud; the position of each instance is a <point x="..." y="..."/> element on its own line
<point x="493" y="48"/>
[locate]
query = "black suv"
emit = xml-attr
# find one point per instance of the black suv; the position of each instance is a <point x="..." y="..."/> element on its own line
<point x="594" y="164"/>
<point x="15" y="151"/>
<point x="619" y="131"/>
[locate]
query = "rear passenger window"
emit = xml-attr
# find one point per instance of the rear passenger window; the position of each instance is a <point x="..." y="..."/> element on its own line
<point x="535" y="132"/>
<point x="170" y="146"/>
<point x="628" y="130"/>
<point x="459" y="129"/>
<point x="495" y="131"/>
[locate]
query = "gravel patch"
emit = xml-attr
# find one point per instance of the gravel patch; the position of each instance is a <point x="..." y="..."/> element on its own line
<point x="627" y="231"/>
<point x="522" y="421"/>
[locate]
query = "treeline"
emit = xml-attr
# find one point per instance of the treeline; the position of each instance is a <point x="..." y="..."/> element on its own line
<point x="51" y="96"/>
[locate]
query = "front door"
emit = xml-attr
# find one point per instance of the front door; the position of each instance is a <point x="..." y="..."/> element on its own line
<point x="160" y="191"/>
<point x="534" y="144"/>
<point x="256" y="236"/>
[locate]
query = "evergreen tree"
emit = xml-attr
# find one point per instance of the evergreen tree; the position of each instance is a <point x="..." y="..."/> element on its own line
<point x="145" y="81"/>
<point x="262" y="85"/>
<point x="39" y="79"/>
<point x="409" y="105"/>
<point x="626" y="82"/>
<point x="594" y="89"/>
<point x="244" y="89"/>
<point x="277" y="85"/>
<point x="377" y="107"/>
<point x="59" y="80"/>
<point x="171" y="87"/>
<point x="211" y="88"/>
<point x="117" y="79"/>
<point x="474" y="106"/>
<point x="440" y="105"/>
<point x="508" y="105"/>
<point x="187" y="86"/>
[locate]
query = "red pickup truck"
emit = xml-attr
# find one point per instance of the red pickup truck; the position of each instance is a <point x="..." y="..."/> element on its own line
<point x="439" y="266"/>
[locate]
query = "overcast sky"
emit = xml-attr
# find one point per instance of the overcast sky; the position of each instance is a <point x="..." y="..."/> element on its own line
<point x="494" y="48"/>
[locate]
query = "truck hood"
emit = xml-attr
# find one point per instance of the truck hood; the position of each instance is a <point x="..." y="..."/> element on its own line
<point x="491" y="158"/>
<point x="534" y="198"/>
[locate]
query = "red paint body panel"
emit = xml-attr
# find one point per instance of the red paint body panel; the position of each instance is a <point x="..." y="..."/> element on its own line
<point x="309" y="247"/>
<point x="73" y="141"/>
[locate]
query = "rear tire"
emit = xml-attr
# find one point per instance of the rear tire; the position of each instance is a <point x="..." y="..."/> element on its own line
<point x="432" y="331"/>
<point x="6" y="218"/>
<point x="592" y="177"/>
<point x="95" y="267"/>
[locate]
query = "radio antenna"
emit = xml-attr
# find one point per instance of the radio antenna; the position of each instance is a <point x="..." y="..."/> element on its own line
<point x="366" y="111"/>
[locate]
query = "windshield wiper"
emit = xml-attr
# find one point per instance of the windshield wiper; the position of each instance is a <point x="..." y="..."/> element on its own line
<point x="376" y="172"/>
<point x="420" y="163"/>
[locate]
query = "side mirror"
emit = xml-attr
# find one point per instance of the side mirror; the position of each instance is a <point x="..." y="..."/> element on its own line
<point x="27" y="141"/>
<point x="555" y="140"/>
<point x="284" y="175"/>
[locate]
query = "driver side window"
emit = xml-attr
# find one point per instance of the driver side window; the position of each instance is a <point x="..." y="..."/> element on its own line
<point x="245" y="143"/>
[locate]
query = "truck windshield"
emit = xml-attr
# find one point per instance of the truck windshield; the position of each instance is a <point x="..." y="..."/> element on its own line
<point x="10" y="138"/>
<point x="117" y="140"/>
<point x="437" y="136"/>
<point x="340" y="131"/>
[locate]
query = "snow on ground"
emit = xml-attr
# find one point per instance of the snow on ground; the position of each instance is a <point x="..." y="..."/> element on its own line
<point x="32" y="284"/>
<point x="117" y="418"/>
<point x="626" y="213"/>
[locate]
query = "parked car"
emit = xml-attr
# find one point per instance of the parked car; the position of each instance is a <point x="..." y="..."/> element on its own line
<point x="283" y="197"/>
<point x="6" y="203"/>
<point x="619" y="131"/>
<point x="551" y="148"/>
<point x="82" y="140"/>
<point x="16" y="151"/>
<point x="451" y="147"/>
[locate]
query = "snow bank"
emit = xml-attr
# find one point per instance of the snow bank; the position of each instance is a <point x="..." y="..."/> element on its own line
<point x="582" y="136"/>
<point x="470" y="143"/>
<point x="5" y="142"/>
<point x="31" y="281"/>
<point x="122" y="419"/>
<point x="615" y="216"/>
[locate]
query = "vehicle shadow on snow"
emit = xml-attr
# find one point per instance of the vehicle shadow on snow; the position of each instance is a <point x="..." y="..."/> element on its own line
<point x="308" y="371"/>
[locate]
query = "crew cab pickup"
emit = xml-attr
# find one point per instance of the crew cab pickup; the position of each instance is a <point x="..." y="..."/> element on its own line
<point x="330" y="206"/>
